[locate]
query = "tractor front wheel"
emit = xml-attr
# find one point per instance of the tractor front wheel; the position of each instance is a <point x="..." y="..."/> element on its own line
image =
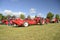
<point x="14" y="25"/>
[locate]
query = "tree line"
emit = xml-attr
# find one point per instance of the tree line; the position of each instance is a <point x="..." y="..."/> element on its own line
<point x="50" y="15"/>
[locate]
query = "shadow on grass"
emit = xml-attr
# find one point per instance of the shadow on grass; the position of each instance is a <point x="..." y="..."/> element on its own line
<point x="27" y="26"/>
<point x="17" y="26"/>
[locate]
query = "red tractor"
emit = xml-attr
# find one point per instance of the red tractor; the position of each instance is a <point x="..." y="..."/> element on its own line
<point x="28" y="21"/>
<point x="47" y="20"/>
<point x="54" y="20"/>
<point x="19" y="22"/>
<point x="5" y="21"/>
<point x="40" y="20"/>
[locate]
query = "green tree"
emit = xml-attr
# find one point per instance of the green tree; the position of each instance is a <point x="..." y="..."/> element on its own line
<point x="57" y="16"/>
<point x="35" y="16"/>
<point x="29" y="17"/>
<point x="50" y="15"/>
<point x="7" y="17"/>
<point x="1" y="16"/>
<point x="14" y="16"/>
<point x="4" y="17"/>
<point x="22" y="16"/>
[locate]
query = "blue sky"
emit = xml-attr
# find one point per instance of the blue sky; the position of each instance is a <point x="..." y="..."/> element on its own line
<point x="30" y="7"/>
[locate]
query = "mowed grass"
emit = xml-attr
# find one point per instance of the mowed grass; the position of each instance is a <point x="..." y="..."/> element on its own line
<point x="33" y="32"/>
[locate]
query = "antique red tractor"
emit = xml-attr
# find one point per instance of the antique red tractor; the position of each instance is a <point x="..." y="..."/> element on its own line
<point x="39" y="20"/>
<point x="54" y="20"/>
<point x="5" y="21"/>
<point x="27" y="21"/>
<point x="47" y="20"/>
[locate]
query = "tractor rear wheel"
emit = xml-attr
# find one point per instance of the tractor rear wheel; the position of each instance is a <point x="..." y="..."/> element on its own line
<point x="25" y="24"/>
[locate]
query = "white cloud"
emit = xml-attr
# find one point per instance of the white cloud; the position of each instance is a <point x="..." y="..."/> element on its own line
<point x="15" y="13"/>
<point x="32" y="10"/>
<point x="21" y="13"/>
<point x="32" y="17"/>
<point x="9" y="12"/>
<point x="41" y="15"/>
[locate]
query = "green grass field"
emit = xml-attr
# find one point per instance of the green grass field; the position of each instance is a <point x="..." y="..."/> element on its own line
<point x="33" y="32"/>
